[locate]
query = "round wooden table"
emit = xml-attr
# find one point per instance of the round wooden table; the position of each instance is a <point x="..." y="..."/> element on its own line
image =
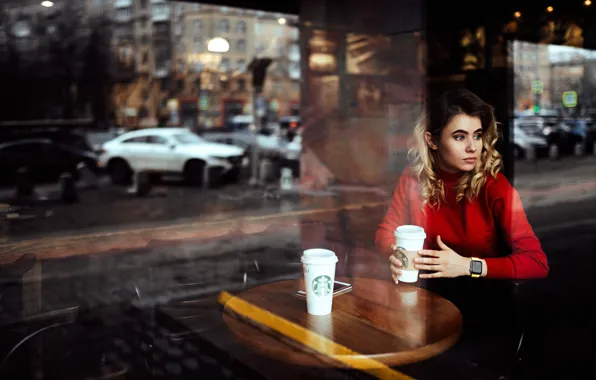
<point x="390" y="324"/>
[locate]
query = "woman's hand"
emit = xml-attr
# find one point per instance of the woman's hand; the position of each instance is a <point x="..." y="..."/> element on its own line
<point x="444" y="263"/>
<point x="395" y="264"/>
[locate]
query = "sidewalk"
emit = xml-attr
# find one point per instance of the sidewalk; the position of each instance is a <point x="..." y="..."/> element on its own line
<point x="546" y="183"/>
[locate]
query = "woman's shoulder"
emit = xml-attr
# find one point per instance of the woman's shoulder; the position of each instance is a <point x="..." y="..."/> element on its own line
<point x="497" y="186"/>
<point x="407" y="179"/>
<point x="408" y="176"/>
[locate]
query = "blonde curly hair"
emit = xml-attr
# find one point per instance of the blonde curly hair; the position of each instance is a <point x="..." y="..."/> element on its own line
<point x="424" y="160"/>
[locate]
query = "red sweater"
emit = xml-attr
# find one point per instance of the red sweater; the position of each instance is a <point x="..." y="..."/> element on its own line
<point x="494" y="226"/>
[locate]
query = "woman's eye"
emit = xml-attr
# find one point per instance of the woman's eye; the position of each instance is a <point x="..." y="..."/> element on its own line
<point x="458" y="137"/>
<point x="478" y="137"/>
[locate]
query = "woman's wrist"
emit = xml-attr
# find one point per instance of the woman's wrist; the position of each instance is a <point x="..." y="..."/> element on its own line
<point x="467" y="271"/>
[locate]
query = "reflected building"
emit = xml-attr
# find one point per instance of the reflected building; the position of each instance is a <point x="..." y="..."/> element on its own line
<point x="214" y="87"/>
<point x="532" y="70"/>
<point x="142" y="46"/>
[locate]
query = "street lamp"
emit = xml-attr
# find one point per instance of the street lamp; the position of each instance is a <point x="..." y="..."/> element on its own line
<point x="47" y="4"/>
<point x="218" y="45"/>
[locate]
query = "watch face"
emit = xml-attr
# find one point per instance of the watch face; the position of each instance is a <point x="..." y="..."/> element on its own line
<point x="476" y="267"/>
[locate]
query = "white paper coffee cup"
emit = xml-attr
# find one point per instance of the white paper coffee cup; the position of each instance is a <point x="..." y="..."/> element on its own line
<point x="319" y="275"/>
<point x="410" y="239"/>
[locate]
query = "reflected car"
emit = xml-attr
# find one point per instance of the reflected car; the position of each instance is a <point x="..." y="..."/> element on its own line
<point x="168" y="151"/>
<point x="45" y="159"/>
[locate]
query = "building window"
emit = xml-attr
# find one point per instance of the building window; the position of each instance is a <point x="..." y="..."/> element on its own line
<point x="224" y="9"/>
<point x="241" y="27"/>
<point x="241" y="45"/>
<point x="123" y="14"/>
<point x="241" y="65"/>
<point x="161" y="11"/>
<point x="143" y="4"/>
<point x="241" y="83"/>
<point x="197" y="25"/>
<point x="294" y="52"/>
<point x="277" y="87"/>
<point x="279" y="31"/>
<point x="258" y="28"/>
<point x="224" y="25"/>
<point x="145" y="58"/>
<point x="225" y="64"/>
<point x="198" y="44"/>
<point x="294" y="70"/>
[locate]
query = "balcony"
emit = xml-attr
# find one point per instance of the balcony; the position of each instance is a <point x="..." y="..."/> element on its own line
<point x="160" y="13"/>
<point x="123" y="15"/>
<point x="122" y="3"/>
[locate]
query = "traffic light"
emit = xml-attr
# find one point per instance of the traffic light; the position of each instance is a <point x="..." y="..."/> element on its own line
<point x="258" y="68"/>
<point x="536" y="109"/>
<point x="537" y="103"/>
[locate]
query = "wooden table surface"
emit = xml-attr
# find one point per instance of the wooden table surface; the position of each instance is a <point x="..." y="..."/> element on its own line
<point x="390" y="324"/>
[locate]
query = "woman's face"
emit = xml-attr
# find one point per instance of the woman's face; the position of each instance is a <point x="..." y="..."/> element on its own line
<point x="460" y="144"/>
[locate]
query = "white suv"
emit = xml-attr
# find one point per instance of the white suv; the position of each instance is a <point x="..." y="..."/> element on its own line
<point x="167" y="150"/>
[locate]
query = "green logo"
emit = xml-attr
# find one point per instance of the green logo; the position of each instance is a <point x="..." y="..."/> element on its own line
<point x="402" y="257"/>
<point x="322" y="286"/>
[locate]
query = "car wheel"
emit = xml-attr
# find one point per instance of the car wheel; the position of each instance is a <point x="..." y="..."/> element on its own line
<point x="120" y="172"/>
<point x="193" y="172"/>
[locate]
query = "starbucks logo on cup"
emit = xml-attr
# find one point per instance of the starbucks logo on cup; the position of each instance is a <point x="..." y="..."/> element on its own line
<point x="402" y="257"/>
<point x="322" y="286"/>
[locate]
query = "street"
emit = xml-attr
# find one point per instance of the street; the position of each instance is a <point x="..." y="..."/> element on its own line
<point x="540" y="184"/>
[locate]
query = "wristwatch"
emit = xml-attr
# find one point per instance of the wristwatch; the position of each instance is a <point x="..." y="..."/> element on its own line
<point x="475" y="267"/>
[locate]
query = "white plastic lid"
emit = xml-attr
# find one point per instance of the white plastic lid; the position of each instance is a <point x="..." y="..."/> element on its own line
<point x="318" y="256"/>
<point x="410" y="232"/>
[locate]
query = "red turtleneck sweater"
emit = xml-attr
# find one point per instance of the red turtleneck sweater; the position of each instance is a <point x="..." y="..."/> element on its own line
<point x="494" y="226"/>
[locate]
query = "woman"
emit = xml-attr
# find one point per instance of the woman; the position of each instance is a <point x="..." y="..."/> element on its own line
<point x="454" y="189"/>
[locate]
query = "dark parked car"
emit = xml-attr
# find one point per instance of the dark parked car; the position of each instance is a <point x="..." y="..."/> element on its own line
<point x="555" y="130"/>
<point x="289" y="125"/>
<point x="46" y="160"/>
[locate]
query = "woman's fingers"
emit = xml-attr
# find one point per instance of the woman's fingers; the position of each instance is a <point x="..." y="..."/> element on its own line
<point x="395" y="269"/>
<point x="426" y="263"/>
<point x="431" y="275"/>
<point x="429" y="252"/>
<point x="395" y="261"/>
<point x="426" y="267"/>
